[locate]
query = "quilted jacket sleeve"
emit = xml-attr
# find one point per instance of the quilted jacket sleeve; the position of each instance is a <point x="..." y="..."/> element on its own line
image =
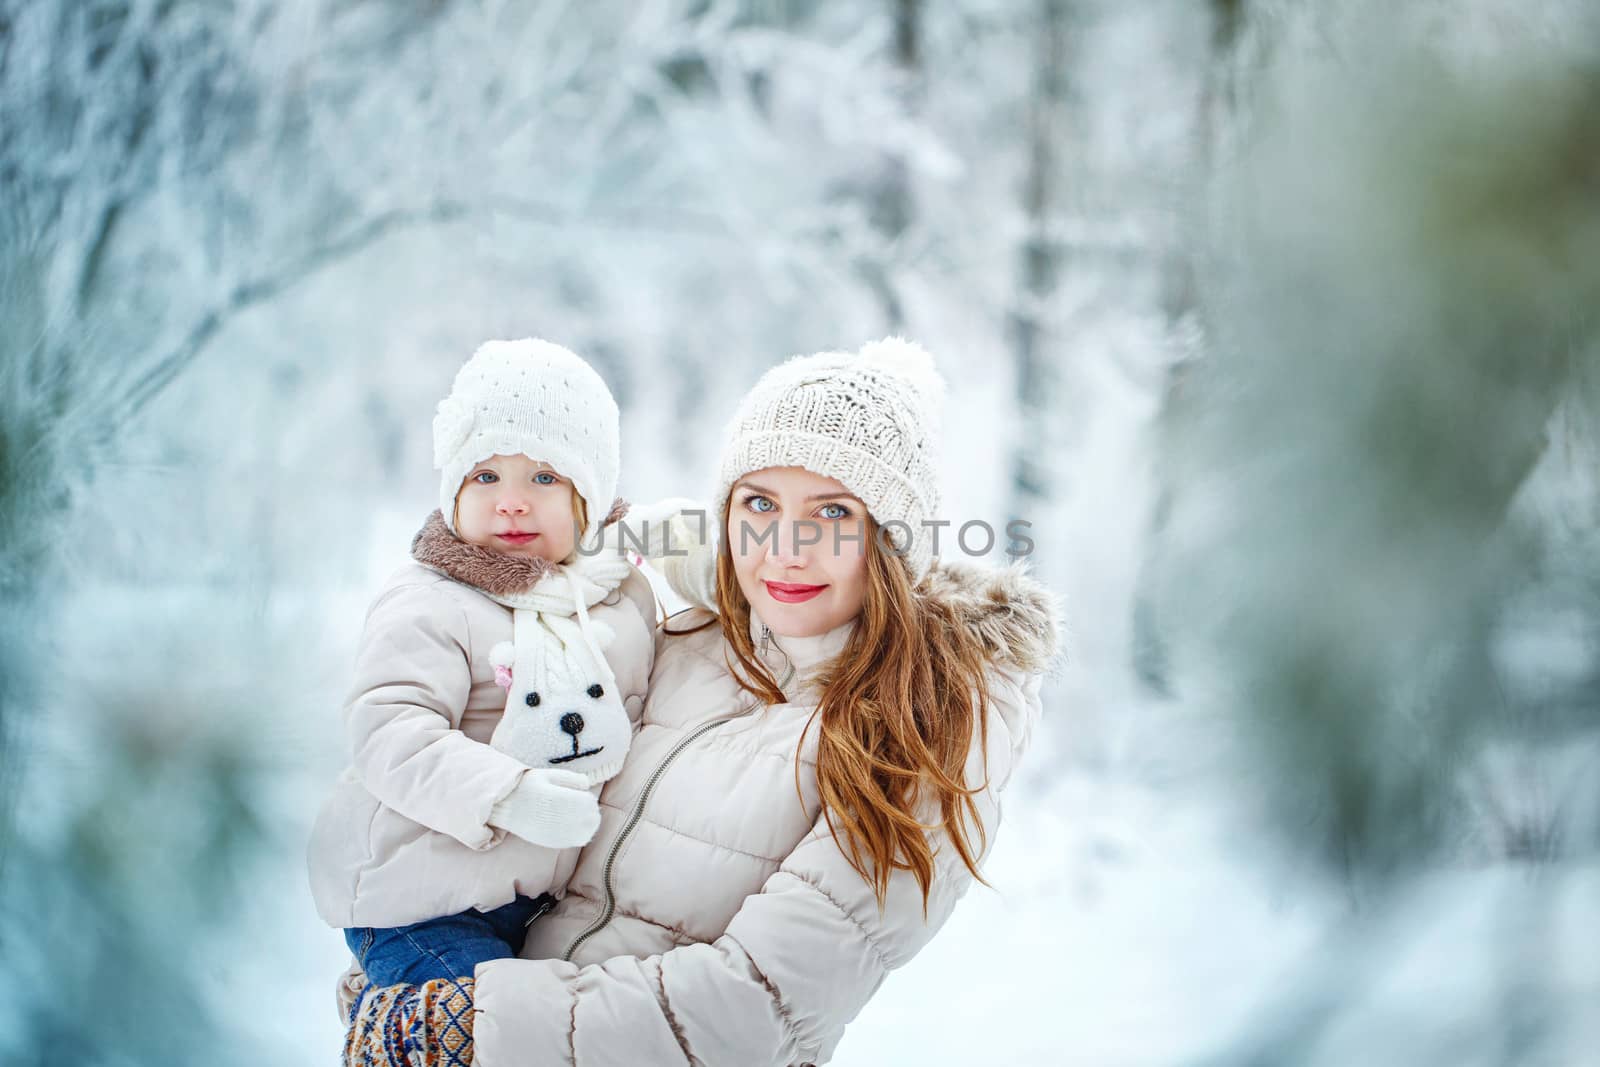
<point x="411" y="686"/>
<point x="797" y="963"/>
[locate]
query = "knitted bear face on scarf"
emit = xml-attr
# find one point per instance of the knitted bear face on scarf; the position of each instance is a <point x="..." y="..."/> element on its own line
<point x="563" y="708"/>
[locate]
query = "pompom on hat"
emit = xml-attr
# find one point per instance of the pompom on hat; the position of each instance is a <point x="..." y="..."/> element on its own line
<point x="869" y="419"/>
<point x="537" y="399"/>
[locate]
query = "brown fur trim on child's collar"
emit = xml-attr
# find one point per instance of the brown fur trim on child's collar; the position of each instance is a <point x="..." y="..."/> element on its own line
<point x="437" y="548"/>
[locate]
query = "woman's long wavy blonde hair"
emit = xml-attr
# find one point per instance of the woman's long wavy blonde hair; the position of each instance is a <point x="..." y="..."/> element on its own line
<point x="899" y="708"/>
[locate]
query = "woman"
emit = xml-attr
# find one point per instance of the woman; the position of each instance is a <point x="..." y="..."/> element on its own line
<point x="813" y="783"/>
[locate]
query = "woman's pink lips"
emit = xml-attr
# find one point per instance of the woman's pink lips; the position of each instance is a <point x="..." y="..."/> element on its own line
<point x="517" y="538"/>
<point x="786" y="593"/>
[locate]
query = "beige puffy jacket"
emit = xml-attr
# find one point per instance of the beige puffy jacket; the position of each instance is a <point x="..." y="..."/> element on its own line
<point x="713" y="919"/>
<point x="405" y="835"/>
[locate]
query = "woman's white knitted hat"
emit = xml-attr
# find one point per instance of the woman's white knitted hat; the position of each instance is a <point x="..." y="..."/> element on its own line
<point x="540" y="400"/>
<point x="869" y="419"/>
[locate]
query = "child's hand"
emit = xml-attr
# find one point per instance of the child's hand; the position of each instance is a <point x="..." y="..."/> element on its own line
<point x="553" y="808"/>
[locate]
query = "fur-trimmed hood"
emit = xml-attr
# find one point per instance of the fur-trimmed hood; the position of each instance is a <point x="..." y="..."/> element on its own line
<point x="1018" y="620"/>
<point x="436" y="548"/>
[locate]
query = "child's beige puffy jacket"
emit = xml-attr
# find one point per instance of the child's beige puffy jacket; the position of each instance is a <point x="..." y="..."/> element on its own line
<point x="405" y="835"/>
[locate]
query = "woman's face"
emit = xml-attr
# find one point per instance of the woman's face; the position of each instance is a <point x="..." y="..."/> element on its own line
<point x="518" y="507"/>
<point x="798" y="544"/>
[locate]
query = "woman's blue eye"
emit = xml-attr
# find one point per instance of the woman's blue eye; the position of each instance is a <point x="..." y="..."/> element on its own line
<point x="754" y="504"/>
<point x="486" y="477"/>
<point x="843" y="512"/>
<point x="545" y="478"/>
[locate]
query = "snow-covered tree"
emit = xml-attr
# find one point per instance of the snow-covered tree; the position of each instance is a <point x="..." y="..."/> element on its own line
<point x="1403" y="303"/>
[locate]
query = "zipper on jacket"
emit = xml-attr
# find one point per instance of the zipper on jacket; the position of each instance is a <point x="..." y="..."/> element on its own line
<point x="541" y="905"/>
<point x="766" y="646"/>
<point x="610" y="906"/>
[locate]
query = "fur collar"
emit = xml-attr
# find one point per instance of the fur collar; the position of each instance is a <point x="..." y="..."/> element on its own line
<point x="1014" y="615"/>
<point x="436" y="548"/>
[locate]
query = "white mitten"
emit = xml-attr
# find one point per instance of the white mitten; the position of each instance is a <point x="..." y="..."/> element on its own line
<point x="643" y="527"/>
<point x="553" y="808"/>
<point x="692" y="575"/>
<point x="677" y="536"/>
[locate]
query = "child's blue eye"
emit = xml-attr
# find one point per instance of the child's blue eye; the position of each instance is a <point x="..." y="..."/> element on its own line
<point x="545" y="478"/>
<point x="486" y="477"/>
<point x="843" y="512"/>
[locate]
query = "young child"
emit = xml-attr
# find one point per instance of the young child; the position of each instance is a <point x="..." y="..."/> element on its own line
<point x="497" y="680"/>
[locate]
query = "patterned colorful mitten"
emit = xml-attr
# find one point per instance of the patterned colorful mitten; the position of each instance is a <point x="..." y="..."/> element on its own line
<point x="412" y="1026"/>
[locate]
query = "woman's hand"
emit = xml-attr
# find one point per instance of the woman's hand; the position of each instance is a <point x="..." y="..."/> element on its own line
<point x="678" y="536"/>
<point x="412" y="1026"/>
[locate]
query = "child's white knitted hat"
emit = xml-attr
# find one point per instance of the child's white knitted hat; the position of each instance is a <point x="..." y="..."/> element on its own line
<point x="540" y="400"/>
<point x="869" y="419"/>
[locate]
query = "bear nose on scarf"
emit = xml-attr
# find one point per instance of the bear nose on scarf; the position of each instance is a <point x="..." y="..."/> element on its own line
<point x="572" y="723"/>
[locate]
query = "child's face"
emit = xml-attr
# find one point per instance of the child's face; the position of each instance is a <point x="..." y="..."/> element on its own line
<point x="518" y="507"/>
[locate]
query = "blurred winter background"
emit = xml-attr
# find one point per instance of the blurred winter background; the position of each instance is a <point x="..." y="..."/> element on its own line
<point x="1275" y="318"/>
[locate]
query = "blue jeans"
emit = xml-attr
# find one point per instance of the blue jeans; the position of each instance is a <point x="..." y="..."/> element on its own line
<point x="451" y="947"/>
